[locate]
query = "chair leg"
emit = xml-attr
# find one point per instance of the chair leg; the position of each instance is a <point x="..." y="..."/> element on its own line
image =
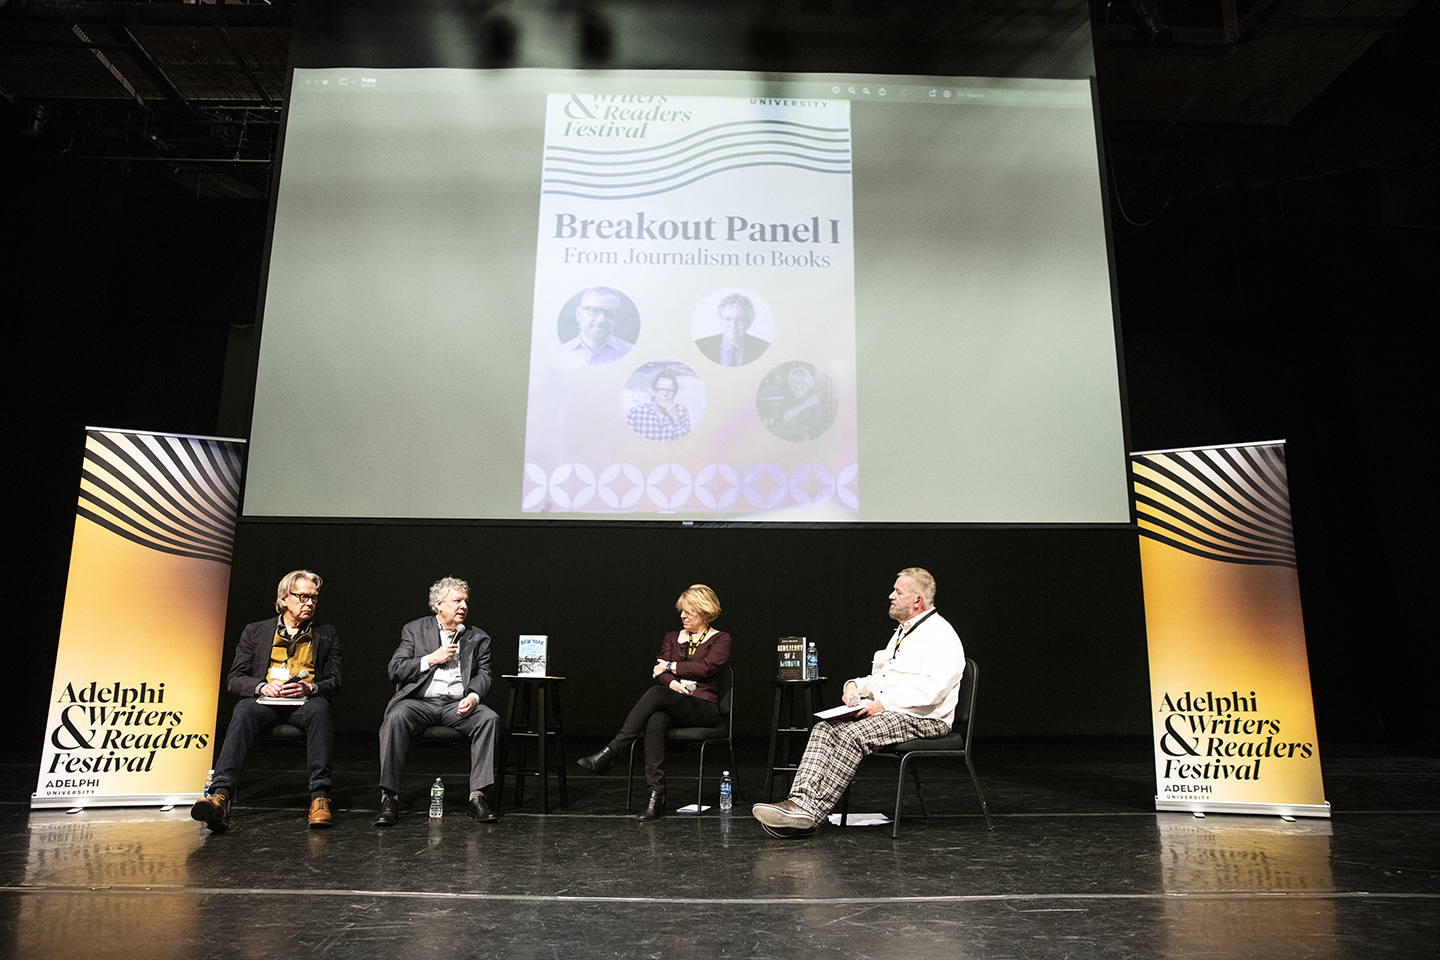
<point x="919" y="792"/>
<point x="845" y="807"/>
<point x="984" y="807"/>
<point x="899" y="797"/>
<point x="630" y="778"/>
<point x="736" y="793"/>
<point x="700" y="781"/>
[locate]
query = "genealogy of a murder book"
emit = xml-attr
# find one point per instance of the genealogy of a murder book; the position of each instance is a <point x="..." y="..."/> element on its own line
<point x="792" y="658"/>
<point x="532" y="655"/>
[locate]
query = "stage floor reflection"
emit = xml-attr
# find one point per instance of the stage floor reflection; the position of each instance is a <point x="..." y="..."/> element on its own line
<point x="1079" y="865"/>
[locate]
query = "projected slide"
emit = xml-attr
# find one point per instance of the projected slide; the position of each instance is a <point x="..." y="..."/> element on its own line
<point x="693" y="340"/>
<point x="688" y="297"/>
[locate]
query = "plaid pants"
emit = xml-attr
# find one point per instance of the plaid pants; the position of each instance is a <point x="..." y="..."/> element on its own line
<point x="836" y="748"/>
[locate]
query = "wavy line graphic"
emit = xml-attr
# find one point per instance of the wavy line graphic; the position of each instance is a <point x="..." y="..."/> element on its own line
<point x="1230" y="504"/>
<point x="648" y="171"/>
<point x="178" y="495"/>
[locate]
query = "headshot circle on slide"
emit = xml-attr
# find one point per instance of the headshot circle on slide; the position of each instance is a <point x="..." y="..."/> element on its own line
<point x="663" y="400"/>
<point x="598" y="325"/>
<point x="797" y="401"/>
<point x="738" y="313"/>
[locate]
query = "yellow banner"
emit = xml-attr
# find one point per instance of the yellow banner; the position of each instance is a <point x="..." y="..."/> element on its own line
<point x="132" y="709"/>
<point x="1234" y="722"/>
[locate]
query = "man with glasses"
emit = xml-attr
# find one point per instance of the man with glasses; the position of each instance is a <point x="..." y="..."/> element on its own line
<point x="733" y="346"/>
<point x="598" y="310"/>
<point x="285" y="668"/>
<point x="662" y="418"/>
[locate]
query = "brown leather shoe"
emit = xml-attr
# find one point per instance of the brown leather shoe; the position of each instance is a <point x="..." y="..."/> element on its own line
<point x="213" y="811"/>
<point x="320" y="812"/>
<point x="785" y="815"/>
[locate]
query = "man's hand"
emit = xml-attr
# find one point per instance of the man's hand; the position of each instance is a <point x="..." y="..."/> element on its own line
<point x="851" y="695"/>
<point x="468" y="704"/>
<point x="290" y="690"/>
<point x="871" y="708"/>
<point x="661" y="666"/>
<point x="446" y="652"/>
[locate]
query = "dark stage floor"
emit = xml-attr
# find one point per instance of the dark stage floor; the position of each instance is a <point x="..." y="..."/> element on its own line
<point x="1078" y="865"/>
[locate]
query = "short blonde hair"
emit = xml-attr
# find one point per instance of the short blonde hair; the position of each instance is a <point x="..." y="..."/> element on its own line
<point x="287" y="585"/>
<point x="700" y="599"/>
<point x="924" y="583"/>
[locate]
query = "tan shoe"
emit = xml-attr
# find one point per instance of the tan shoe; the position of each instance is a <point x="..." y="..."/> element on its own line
<point x="320" y="812"/>
<point x="785" y="815"/>
<point x="213" y="811"/>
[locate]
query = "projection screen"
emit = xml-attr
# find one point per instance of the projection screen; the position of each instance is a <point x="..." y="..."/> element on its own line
<point x="686" y="296"/>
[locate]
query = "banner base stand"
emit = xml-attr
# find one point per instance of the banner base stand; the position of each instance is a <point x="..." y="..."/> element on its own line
<point x="114" y="800"/>
<point x="1262" y="809"/>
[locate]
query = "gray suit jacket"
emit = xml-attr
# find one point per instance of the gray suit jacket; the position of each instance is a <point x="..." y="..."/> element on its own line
<point x="420" y="638"/>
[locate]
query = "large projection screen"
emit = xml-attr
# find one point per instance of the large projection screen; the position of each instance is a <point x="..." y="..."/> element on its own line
<point x="505" y="295"/>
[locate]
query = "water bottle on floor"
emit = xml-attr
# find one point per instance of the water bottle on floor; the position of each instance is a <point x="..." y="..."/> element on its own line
<point x="726" y="792"/>
<point x="437" y="799"/>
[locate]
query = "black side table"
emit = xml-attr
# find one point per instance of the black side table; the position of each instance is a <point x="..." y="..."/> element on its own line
<point x="537" y="697"/>
<point x="786" y="705"/>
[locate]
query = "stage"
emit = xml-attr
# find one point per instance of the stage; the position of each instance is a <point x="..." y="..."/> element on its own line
<point x="1078" y="865"/>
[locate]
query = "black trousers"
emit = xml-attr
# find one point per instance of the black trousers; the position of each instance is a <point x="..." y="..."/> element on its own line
<point x="657" y="710"/>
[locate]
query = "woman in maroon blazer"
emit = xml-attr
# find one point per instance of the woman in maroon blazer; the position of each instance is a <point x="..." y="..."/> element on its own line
<point x="685" y="692"/>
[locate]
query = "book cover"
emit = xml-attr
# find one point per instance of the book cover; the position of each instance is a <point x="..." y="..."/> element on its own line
<point x="791" y="651"/>
<point x="532" y="654"/>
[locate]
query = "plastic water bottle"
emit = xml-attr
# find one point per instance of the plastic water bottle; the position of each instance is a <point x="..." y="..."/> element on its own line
<point x="726" y="792"/>
<point x="209" y="779"/>
<point x="437" y="800"/>
<point x="812" y="663"/>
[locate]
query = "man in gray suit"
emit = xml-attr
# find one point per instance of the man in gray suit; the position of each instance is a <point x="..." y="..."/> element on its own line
<point x="733" y="346"/>
<point x="441" y="672"/>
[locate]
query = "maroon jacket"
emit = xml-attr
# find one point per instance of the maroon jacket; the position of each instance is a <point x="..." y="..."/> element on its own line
<point x="705" y="667"/>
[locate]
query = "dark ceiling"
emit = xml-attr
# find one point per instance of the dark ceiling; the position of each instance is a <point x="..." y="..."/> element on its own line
<point x="1197" y="98"/>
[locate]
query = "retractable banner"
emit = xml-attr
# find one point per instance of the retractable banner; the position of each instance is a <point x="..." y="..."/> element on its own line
<point x="132" y="709"/>
<point x="1234" y="722"/>
<point x="693" y="336"/>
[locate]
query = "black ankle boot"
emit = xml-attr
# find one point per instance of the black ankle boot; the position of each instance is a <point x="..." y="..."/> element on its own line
<point x="598" y="762"/>
<point x="655" y="809"/>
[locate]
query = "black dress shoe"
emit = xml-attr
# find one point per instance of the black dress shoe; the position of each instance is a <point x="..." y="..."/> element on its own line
<point x="480" y="810"/>
<point x="389" y="810"/>
<point x="598" y="762"/>
<point x="655" y="809"/>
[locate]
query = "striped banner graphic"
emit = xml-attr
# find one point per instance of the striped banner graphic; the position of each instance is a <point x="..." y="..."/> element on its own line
<point x="174" y="494"/>
<point x="1222" y="503"/>
<point x="716" y="149"/>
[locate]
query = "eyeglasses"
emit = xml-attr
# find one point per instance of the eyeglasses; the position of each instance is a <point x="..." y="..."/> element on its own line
<point x="305" y="598"/>
<point x="593" y="312"/>
<point x="665" y="390"/>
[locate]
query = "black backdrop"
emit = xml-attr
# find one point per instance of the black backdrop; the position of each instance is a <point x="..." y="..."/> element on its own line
<point x="1284" y="311"/>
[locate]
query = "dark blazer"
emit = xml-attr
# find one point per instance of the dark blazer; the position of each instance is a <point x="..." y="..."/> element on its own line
<point x="252" y="658"/>
<point x="420" y="638"/>
<point x="704" y="668"/>
<point x="751" y="347"/>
